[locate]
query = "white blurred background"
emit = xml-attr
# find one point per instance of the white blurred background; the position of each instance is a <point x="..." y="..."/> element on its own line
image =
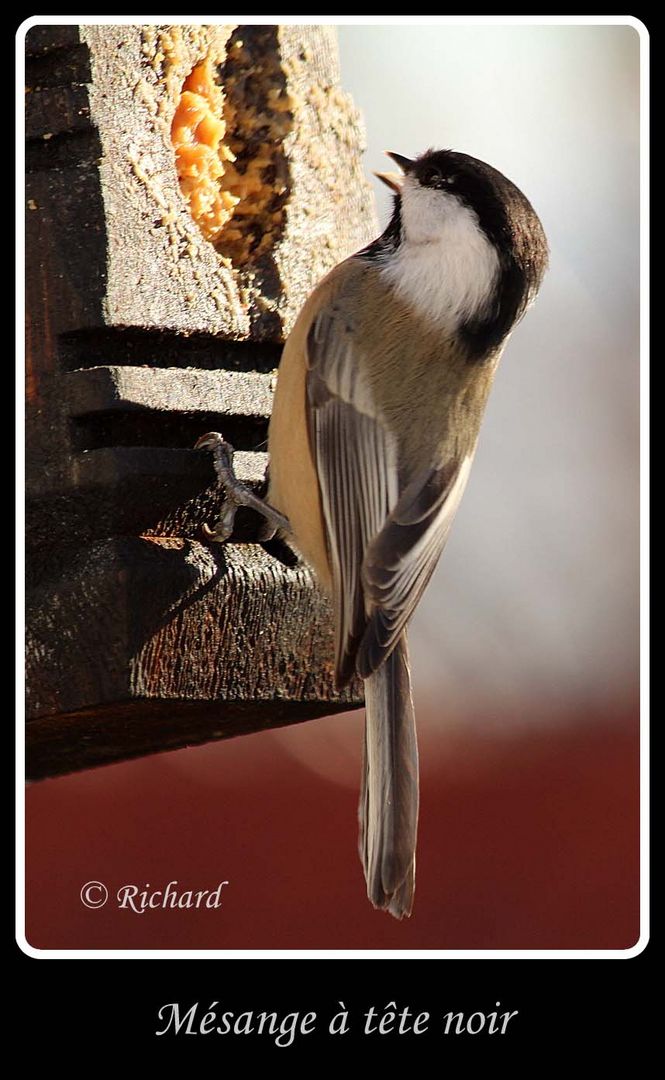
<point x="535" y="599"/>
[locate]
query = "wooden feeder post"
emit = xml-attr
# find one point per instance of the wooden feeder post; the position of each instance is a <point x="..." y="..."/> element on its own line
<point x="187" y="187"/>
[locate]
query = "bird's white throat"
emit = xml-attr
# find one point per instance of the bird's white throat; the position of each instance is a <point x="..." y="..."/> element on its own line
<point x="445" y="266"/>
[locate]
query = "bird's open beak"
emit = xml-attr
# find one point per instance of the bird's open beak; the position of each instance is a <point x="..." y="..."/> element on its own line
<point x="405" y="163"/>
<point x="395" y="180"/>
<point x="391" y="180"/>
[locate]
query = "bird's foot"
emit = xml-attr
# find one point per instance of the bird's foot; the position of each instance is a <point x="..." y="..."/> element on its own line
<point x="237" y="494"/>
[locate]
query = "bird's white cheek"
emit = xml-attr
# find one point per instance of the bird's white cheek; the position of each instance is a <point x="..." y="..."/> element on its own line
<point x="446" y="268"/>
<point x="424" y="212"/>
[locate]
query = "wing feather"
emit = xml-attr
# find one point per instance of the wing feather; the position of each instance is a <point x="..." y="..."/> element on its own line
<point x="356" y="464"/>
<point x="384" y="543"/>
<point x="401" y="559"/>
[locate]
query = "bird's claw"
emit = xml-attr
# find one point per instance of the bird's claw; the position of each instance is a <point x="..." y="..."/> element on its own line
<point x="237" y="494"/>
<point x="222" y="457"/>
<point x="223" y="527"/>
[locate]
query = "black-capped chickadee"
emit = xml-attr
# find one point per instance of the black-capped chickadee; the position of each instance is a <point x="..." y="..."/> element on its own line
<point x="380" y="394"/>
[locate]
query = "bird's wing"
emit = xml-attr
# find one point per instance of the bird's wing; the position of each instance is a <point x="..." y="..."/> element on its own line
<point x="356" y="463"/>
<point x="384" y="542"/>
<point x="400" y="561"/>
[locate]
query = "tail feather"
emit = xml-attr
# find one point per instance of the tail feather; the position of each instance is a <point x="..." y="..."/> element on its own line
<point x="388" y="808"/>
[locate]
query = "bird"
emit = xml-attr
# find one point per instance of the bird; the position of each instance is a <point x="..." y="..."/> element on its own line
<point x="380" y="394"/>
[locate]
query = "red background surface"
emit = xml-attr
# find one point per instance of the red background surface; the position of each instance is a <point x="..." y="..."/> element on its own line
<point x="527" y="840"/>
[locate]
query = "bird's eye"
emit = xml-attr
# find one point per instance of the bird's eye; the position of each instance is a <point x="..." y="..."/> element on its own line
<point x="433" y="177"/>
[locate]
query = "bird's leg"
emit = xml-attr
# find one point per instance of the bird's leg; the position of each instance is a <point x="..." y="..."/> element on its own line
<point x="237" y="494"/>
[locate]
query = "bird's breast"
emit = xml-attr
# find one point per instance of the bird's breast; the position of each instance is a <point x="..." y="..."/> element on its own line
<point x="294" y="485"/>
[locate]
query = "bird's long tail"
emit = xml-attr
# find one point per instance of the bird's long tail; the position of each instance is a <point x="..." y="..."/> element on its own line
<point x="388" y="808"/>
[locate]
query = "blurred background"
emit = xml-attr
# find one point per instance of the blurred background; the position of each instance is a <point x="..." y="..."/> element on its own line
<point x="525" y="647"/>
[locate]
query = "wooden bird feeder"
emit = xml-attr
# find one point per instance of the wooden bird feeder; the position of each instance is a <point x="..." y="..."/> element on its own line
<point x="187" y="187"/>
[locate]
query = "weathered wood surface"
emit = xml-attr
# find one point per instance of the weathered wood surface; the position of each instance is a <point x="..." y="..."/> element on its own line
<point x="226" y="641"/>
<point x="140" y="337"/>
<point x="135" y="257"/>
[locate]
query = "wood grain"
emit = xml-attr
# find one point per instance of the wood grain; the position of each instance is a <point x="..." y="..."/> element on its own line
<point x="141" y="337"/>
